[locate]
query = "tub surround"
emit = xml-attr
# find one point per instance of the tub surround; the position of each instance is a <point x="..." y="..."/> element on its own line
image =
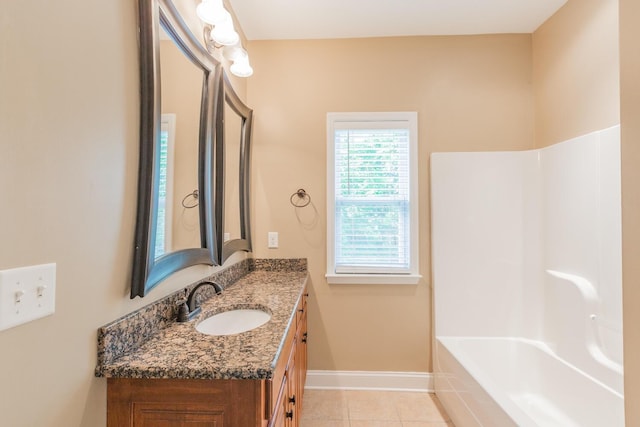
<point x="149" y="343"/>
<point x="528" y="284"/>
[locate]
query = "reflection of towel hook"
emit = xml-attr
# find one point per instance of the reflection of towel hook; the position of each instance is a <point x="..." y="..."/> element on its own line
<point x="193" y="194"/>
<point x="303" y="198"/>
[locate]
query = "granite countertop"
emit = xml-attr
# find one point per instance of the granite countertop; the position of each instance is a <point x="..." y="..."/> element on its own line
<point x="179" y="351"/>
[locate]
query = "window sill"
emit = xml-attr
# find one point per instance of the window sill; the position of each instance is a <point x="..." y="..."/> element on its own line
<point x="372" y="279"/>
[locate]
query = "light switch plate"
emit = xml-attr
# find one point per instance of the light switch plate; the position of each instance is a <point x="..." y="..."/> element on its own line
<point x="273" y="239"/>
<point x="26" y="294"/>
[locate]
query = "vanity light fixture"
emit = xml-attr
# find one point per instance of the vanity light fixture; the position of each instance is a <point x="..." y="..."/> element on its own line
<point x="220" y="33"/>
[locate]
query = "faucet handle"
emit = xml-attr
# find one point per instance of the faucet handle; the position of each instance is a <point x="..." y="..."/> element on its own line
<point x="183" y="311"/>
<point x="183" y="308"/>
<point x="182" y="299"/>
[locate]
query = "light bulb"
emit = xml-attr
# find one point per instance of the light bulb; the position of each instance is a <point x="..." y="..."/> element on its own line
<point x="241" y="66"/>
<point x="235" y="52"/>
<point x="212" y="12"/>
<point x="224" y="33"/>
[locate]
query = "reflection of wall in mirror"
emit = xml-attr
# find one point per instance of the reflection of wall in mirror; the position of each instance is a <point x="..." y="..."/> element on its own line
<point x="181" y="91"/>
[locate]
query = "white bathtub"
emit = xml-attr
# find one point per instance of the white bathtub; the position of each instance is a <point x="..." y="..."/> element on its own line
<point x="496" y="382"/>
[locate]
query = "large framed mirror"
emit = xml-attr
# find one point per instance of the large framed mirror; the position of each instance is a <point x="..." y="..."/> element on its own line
<point x="181" y="159"/>
<point x="236" y="123"/>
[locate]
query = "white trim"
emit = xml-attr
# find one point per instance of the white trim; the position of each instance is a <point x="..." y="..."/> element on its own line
<point x="410" y="120"/>
<point x="373" y="279"/>
<point x="370" y="380"/>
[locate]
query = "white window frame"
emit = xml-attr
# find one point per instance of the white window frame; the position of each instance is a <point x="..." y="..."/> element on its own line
<point x="412" y="276"/>
<point x="168" y="125"/>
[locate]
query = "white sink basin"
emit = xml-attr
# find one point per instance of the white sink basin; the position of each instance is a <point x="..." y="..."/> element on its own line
<point x="233" y="322"/>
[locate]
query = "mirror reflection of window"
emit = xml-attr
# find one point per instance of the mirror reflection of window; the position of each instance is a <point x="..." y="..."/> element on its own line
<point x="165" y="185"/>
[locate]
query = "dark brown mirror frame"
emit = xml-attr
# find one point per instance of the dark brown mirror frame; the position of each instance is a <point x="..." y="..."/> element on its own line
<point x="246" y="114"/>
<point x="147" y="270"/>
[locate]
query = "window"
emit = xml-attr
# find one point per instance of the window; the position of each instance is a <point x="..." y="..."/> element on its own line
<point x="164" y="221"/>
<point x="372" y="219"/>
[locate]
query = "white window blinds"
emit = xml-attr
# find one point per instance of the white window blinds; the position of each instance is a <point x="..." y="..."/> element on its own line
<point x="164" y="216"/>
<point x="372" y="197"/>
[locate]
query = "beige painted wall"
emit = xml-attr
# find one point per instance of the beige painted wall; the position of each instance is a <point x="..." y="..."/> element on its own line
<point x="471" y="93"/>
<point x="579" y="46"/>
<point x="68" y="165"/>
<point x="575" y="71"/>
<point x="68" y="171"/>
<point x="630" y="112"/>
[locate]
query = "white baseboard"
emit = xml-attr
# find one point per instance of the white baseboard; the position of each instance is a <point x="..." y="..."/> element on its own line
<point x="370" y="380"/>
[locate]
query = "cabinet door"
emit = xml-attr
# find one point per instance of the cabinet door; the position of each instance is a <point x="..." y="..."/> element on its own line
<point x="293" y="414"/>
<point x="184" y="403"/>
<point x="301" y="358"/>
<point x="279" y="418"/>
<point x="301" y="349"/>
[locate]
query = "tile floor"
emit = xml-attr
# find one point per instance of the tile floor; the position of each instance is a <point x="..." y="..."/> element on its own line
<point x="358" y="408"/>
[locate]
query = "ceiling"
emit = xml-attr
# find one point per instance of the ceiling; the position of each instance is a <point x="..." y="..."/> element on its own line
<point x="325" y="19"/>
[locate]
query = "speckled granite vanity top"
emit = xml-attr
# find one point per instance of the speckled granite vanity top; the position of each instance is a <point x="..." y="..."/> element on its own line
<point x="177" y="350"/>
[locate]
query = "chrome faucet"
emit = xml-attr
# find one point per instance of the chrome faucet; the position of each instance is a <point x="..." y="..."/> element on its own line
<point x="191" y="307"/>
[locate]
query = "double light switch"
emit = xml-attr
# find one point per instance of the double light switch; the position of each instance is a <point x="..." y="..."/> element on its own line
<point x="26" y="294"/>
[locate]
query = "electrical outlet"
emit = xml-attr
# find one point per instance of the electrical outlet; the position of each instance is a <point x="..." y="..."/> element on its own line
<point x="26" y="294"/>
<point x="273" y="239"/>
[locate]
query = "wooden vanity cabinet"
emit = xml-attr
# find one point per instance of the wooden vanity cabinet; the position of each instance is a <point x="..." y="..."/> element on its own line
<point x="288" y="382"/>
<point x="277" y="402"/>
<point x="134" y="402"/>
<point x="301" y="347"/>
